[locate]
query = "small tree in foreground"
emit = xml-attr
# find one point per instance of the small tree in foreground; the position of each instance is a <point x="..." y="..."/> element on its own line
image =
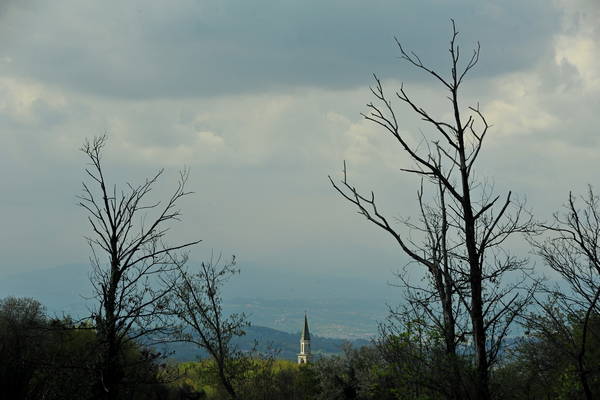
<point x="195" y="300"/>
<point x="129" y="256"/>
<point x="570" y="318"/>
<point x="22" y="346"/>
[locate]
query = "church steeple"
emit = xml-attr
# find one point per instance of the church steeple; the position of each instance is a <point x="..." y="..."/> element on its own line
<point x="304" y="355"/>
<point x="305" y="332"/>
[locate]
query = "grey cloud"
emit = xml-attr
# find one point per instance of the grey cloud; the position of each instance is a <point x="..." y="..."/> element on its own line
<point x="265" y="194"/>
<point x="205" y="48"/>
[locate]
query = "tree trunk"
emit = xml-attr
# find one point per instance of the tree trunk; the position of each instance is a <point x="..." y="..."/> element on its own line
<point x="583" y="377"/>
<point x="111" y="367"/>
<point x="475" y="272"/>
<point x="479" y="337"/>
<point x="449" y="339"/>
<point x="586" y="387"/>
<point x="226" y="383"/>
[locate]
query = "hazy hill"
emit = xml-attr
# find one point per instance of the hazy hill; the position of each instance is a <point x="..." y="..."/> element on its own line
<point x="287" y="344"/>
<point x="269" y="298"/>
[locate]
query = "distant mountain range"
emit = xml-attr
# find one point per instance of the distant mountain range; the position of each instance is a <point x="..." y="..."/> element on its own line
<point x="285" y="345"/>
<point x="276" y="321"/>
<point x="259" y="293"/>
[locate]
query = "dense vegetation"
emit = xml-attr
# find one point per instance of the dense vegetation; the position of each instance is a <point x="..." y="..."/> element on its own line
<point x="48" y="358"/>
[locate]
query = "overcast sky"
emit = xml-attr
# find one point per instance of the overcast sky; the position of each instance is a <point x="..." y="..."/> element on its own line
<point x="262" y="100"/>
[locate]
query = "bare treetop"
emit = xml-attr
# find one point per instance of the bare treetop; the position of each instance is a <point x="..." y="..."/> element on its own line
<point x="129" y="256"/>
<point x="463" y="232"/>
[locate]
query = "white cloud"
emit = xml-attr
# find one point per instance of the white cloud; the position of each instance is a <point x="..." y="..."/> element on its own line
<point x="29" y="103"/>
<point x="205" y="148"/>
<point x="579" y="42"/>
<point x="515" y="106"/>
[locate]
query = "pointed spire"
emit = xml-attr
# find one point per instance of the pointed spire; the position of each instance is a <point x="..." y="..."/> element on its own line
<point x="305" y="332"/>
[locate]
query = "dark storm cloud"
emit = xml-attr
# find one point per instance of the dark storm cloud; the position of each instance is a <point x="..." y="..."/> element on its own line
<point x="262" y="99"/>
<point x="204" y="48"/>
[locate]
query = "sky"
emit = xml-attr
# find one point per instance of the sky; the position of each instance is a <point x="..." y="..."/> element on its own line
<point x="262" y="101"/>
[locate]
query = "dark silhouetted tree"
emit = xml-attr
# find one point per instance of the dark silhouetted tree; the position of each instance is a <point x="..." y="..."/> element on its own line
<point x="22" y="325"/>
<point x="570" y="320"/>
<point x="195" y="300"/>
<point x="466" y="260"/>
<point x="129" y="256"/>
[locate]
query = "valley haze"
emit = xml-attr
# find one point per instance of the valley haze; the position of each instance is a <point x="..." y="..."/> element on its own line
<point x="269" y="298"/>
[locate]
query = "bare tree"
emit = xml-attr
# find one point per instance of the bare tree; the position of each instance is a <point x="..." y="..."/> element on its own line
<point x="572" y="249"/>
<point x="196" y="301"/>
<point x="433" y="302"/>
<point x="478" y="221"/>
<point x="128" y="255"/>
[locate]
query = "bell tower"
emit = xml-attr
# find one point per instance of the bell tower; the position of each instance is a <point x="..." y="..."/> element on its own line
<point x="304" y="356"/>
